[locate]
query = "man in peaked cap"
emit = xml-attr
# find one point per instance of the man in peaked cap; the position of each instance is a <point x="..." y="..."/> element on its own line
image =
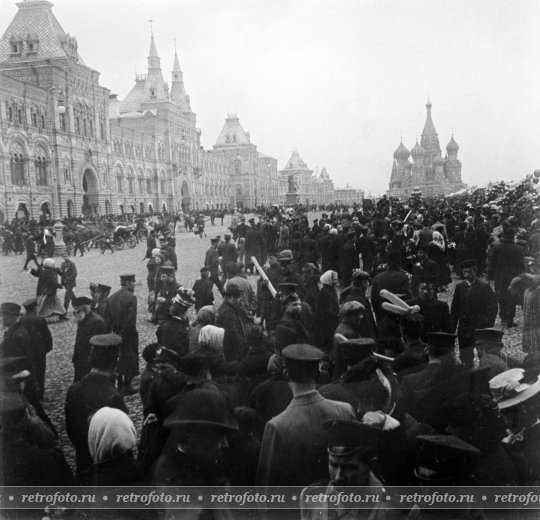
<point x="174" y="333"/>
<point x="202" y="289"/>
<point x="40" y="339"/>
<point x="121" y="318"/>
<point x="474" y="306"/>
<point x="101" y="299"/>
<point x="199" y="427"/>
<point x="445" y="460"/>
<point x="352" y="454"/>
<point x="16" y="341"/>
<point x="293" y="447"/>
<point x="211" y="260"/>
<point x="424" y="269"/>
<point x="288" y="275"/>
<point x="92" y="392"/>
<point x="89" y="324"/>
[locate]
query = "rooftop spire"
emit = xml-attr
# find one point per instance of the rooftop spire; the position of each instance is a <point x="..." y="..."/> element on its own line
<point x="153" y="58"/>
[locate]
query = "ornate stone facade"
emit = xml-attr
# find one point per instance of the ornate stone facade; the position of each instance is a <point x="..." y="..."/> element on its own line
<point x="428" y="172"/>
<point x="68" y="147"/>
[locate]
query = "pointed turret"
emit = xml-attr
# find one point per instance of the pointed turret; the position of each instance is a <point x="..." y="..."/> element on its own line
<point x="178" y="91"/>
<point x="153" y="58"/>
<point x="429" y="139"/>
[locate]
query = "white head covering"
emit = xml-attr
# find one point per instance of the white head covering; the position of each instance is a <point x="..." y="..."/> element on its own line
<point x="328" y="277"/>
<point x="438" y="240"/>
<point x="49" y="262"/>
<point x="111" y="433"/>
<point x="212" y="337"/>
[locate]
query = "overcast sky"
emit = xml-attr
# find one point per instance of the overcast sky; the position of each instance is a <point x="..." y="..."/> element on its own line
<point x="338" y="80"/>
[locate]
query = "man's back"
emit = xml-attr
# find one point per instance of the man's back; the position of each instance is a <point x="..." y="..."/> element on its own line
<point x="294" y="446"/>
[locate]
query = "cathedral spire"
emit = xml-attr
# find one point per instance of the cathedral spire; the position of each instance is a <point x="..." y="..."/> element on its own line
<point x="178" y="91"/>
<point x="429" y="139"/>
<point x="153" y="58"/>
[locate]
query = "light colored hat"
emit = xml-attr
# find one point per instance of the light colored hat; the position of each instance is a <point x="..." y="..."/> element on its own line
<point x="48" y="262"/>
<point x="509" y="388"/>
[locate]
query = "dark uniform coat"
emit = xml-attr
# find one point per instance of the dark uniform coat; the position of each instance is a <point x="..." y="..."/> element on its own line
<point x="174" y="334"/>
<point x="83" y="399"/>
<point x="121" y="318"/>
<point x="473" y="307"/>
<point x="235" y="321"/>
<point x="211" y="261"/>
<point x="91" y="325"/>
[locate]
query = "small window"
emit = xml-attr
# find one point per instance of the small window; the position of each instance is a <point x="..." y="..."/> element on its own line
<point x="34" y="119"/>
<point x="19" y="116"/>
<point x="77" y="125"/>
<point x="62" y="122"/>
<point x="10" y="114"/>
<point x="43" y="122"/>
<point x="30" y="47"/>
<point x="91" y="128"/>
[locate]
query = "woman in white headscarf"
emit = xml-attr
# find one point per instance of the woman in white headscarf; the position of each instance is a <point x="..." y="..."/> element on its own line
<point x="48" y="301"/>
<point x="211" y="337"/>
<point x="205" y="316"/>
<point x="327" y="315"/>
<point x="111" y="441"/>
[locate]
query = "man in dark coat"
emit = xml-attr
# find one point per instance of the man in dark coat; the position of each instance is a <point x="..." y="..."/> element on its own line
<point x="474" y="306"/>
<point x="174" y="333"/>
<point x="91" y="393"/>
<point x="227" y="251"/>
<point x="366" y="247"/>
<point x="41" y="341"/>
<point x="89" y="324"/>
<point x="396" y="281"/>
<point x="357" y="292"/>
<point x="328" y="249"/>
<point x="30" y="247"/>
<point x="203" y="289"/>
<point x="68" y="278"/>
<point x="506" y="262"/>
<point x="425" y="268"/>
<point x="16" y="341"/>
<point x="348" y="258"/>
<point x="254" y="246"/>
<point x="151" y="244"/>
<point x="121" y="318"/>
<point x="233" y="318"/>
<point x="211" y="260"/>
<point x="293" y="450"/>
<point x="414" y="358"/>
<point x="435" y="312"/>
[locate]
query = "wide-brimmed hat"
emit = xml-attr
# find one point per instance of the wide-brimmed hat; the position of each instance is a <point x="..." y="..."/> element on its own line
<point x="510" y="388"/>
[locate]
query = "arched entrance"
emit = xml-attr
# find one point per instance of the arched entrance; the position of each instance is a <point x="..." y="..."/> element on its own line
<point x="141" y="207"/>
<point x="46" y="210"/>
<point x="164" y="208"/>
<point x="70" y="209"/>
<point x="150" y="208"/>
<point x="107" y="207"/>
<point x="186" y="196"/>
<point x="90" y="197"/>
<point x="121" y="209"/>
<point x="22" y="211"/>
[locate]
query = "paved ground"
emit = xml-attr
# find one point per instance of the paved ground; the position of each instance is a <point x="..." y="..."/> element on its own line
<point x="17" y="285"/>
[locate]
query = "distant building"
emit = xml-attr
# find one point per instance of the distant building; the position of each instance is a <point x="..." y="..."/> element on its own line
<point x="254" y="177"/>
<point x="348" y="195"/>
<point x="429" y="172"/>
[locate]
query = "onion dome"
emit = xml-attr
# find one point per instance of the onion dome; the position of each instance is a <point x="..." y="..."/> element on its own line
<point x="401" y="152"/>
<point x="452" y="146"/>
<point x="417" y="150"/>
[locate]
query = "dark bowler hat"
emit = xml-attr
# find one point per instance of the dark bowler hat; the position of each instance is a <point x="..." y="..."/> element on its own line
<point x="469" y="264"/>
<point x="443" y="458"/>
<point x="125" y="278"/>
<point x="103" y="288"/>
<point x="282" y="336"/>
<point x="166" y="355"/>
<point x="350" y="434"/>
<point x="227" y="237"/>
<point x="302" y="352"/>
<point x="82" y="300"/>
<point x="149" y="352"/>
<point x="200" y="407"/>
<point x="193" y="362"/>
<point x="509" y="233"/>
<point x="441" y="340"/>
<point x="106" y="341"/>
<point x="490" y="335"/>
<point x="10" y="308"/>
<point x="205" y="270"/>
<point x="30" y="304"/>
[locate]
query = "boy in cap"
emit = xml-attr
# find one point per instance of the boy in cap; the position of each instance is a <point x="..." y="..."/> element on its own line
<point x="293" y="449"/>
<point x="92" y="392"/>
<point x="121" y="318"/>
<point x="89" y="324"/>
<point x="174" y="333"/>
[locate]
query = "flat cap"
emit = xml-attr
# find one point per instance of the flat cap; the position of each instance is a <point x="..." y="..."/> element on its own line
<point x="127" y="277"/>
<point x="302" y="352"/>
<point x="358" y="274"/>
<point x="103" y="288"/>
<point x="441" y="340"/>
<point x="82" y="300"/>
<point x="469" y="264"/>
<point x="106" y="341"/>
<point x="351" y="434"/>
<point x="10" y="308"/>
<point x="488" y="335"/>
<point x="166" y="355"/>
<point x="285" y="255"/>
<point x="195" y="361"/>
<point x="288" y="287"/>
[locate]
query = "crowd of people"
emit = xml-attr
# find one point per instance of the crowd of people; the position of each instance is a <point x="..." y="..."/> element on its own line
<point x="316" y="353"/>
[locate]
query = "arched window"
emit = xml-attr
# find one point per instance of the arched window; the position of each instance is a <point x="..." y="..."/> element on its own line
<point x="41" y="163"/>
<point x="17" y="160"/>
